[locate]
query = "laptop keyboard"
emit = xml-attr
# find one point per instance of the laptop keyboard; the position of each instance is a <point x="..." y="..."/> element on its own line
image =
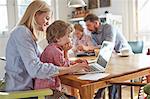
<point x="92" y="68"/>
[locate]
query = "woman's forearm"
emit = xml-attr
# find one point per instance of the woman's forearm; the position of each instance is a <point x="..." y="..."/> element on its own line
<point x="64" y="70"/>
<point x="73" y="68"/>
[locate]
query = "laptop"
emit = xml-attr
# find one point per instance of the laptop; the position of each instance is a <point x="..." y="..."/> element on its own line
<point x="102" y="60"/>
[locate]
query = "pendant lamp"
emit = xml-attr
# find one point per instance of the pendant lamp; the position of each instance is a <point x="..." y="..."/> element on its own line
<point x="76" y="3"/>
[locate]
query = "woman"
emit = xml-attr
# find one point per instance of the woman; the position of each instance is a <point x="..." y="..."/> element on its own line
<point x="22" y="54"/>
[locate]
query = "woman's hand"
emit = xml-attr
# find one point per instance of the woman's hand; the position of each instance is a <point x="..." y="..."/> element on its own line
<point x="74" y="68"/>
<point x="79" y="66"/>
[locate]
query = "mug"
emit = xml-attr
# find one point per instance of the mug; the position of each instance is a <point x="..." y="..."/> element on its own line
<point x="125" y="52"/>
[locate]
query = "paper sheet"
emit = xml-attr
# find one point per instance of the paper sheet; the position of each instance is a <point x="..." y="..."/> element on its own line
<point x="95" y="76"/>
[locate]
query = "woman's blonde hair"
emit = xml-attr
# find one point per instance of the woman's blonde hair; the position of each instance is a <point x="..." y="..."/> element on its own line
<point x="57" y="30"/>
<point x="78" y="27"/>
<point x="28" y="19"/>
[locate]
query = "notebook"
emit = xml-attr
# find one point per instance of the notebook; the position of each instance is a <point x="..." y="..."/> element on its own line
<point x="80" y="54"/>
<point x="102" y="59"/>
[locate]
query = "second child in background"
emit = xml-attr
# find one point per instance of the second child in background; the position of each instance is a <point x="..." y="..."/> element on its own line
<point x="57" y="35"/>
<point x="82" y="42"/>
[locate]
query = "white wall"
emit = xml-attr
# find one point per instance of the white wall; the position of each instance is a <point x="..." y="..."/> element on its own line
<point x="118" y="7"/>
<point x="62" y="8"/>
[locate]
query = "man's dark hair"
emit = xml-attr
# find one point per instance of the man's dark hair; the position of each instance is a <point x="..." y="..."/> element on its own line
<point x="91" y="17"/>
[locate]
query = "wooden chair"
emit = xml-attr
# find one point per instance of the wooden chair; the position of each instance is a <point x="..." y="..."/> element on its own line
<point x="41" y="93"/>
<point x="137" y="48"/>
<point x="26" y="94"/>
<point x="147" y="90"/>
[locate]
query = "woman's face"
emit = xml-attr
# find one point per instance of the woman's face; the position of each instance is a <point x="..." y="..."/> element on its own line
<point x="43" y="20"/>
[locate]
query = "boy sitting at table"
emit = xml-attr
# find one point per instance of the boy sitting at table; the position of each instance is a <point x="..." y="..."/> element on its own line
<point x="57" y="35"/>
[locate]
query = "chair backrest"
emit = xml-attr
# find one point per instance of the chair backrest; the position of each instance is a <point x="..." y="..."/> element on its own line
<point x="2" y="67"/>
<point x="2" y="85"/>
<point x="147" y="89"/>
<point x="40" y="93"/>
<point x="2" y="73"/>
<point x="137" y="46"/>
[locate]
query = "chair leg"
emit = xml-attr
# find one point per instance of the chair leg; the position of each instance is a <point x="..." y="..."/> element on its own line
<point x="140" y="89"/>
<point x="132" y="90"/>
<point x="104" y="94"/>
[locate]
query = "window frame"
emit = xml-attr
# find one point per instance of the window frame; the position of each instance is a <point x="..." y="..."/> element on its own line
<point x="5" y="29"/>
<point x="12" y="13"/>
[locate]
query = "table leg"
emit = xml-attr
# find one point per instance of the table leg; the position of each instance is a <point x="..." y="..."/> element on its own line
<point x="75" y="92"/>
<point x="119" y="92"/>
<point x="132" y="90"/>
<point x="86" y="92"/>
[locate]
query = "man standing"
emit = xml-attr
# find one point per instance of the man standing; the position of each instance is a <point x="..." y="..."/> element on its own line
<point x="102" y="33"/>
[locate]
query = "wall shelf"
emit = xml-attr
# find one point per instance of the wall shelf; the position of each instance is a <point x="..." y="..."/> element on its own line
<point x="76" y="19"/>
<point x="72" y="20"/>
<point x="114" y="20"/>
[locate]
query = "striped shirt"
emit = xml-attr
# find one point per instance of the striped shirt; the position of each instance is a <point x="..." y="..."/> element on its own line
<point x="85" y="40"/>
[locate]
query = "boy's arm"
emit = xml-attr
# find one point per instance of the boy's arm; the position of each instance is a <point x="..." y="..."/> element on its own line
<point x="67" y="47"/>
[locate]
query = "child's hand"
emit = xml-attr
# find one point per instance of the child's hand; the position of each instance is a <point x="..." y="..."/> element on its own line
<point x="80" y="48"/>
<point x="67" y="46"/>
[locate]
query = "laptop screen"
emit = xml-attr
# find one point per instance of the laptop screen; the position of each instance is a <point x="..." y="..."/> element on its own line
<point x="101" y="61"/>
<point x="105" y="53"/>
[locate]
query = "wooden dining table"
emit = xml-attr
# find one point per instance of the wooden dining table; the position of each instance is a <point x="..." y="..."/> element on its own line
<point x="119" y="69"/>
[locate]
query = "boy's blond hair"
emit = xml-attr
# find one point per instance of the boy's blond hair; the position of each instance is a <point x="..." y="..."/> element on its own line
<point x="28" y="19"/>
<point x="57" y="30"/>
<point x="78" y="27"/>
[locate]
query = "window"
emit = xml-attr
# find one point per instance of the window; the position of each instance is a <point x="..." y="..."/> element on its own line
<point x="22" y="5"/>
<point x="4" y="18"/>
<point x="11" y="11"/>
<point x="143" y="17"/>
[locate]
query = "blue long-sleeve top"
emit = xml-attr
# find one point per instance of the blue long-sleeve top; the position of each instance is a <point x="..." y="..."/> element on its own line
<point x="23" y="62"/>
